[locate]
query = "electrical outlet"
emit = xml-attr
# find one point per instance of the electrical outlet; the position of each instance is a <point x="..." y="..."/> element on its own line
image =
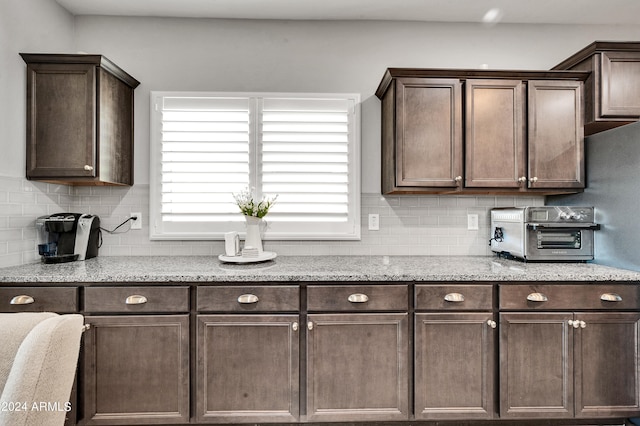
<point x="136" y="224"/>
<point x="374" y="222"/>
<point x="472" y="222"/>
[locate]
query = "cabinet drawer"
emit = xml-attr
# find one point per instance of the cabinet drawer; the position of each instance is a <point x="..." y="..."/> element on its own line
<point x="248" y="298"/>
<point x="569" y="297"/>
<point x="454" y="297"/>
<point x="36" y="299"/>
<point x="382" y="297"/>
<point x="136" y="299"/>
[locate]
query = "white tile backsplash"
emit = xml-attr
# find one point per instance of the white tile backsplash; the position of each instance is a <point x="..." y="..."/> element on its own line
<point x="409" y="225"/>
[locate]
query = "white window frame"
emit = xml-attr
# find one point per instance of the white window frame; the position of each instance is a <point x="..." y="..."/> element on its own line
<point x="294" y="230"/>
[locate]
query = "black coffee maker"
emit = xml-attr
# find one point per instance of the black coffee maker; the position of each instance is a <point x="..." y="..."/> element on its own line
<point x="65" y="237"/>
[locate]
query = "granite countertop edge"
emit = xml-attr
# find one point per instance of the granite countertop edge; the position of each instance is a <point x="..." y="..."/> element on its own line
<point x="390" y="269"/>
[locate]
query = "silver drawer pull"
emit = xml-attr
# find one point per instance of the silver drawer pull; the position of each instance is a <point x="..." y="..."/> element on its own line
<point x="358" y="298"/>
<point x="248" y="298"/>
<point x="23" y="299"/>
<point x="454" y="297"/>
<point x="611" y="297"/>
<point x="88" y="167"/>
<point x="136" y="299"/>
<point x="537" y="297"/>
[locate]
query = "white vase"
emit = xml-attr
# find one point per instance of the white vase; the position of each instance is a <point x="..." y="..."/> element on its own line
<point x="253" y="238"/>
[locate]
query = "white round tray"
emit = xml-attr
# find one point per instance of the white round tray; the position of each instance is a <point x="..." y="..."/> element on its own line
<point x="266" y="255"/>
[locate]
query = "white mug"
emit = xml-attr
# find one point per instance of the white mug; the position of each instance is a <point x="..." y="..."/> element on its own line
<point x="231" y="243"/>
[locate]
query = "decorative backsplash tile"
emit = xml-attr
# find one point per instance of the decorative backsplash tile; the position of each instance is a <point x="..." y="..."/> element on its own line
<point x="409" y="225"/>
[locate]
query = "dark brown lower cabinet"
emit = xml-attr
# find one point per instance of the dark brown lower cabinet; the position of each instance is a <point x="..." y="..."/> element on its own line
<point x="566" y="364"/>
<point x="247" y="368"/>
<point x="454" y="366"/>
<point x="357" y="367"/>
<point x="607" y="380"/>
<point x="136" y="370"/>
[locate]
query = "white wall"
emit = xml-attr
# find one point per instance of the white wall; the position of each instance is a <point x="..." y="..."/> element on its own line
<point x="315" y="56"/>
<point x="35" y="26"/>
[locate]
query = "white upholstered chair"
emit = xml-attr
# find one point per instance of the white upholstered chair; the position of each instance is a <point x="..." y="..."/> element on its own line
<point x="38" y="360"/>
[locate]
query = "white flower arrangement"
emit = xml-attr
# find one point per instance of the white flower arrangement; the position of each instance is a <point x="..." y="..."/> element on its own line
<point x="249" y="207"/>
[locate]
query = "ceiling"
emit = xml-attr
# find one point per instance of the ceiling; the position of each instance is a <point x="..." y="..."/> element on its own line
<point x="606" y="12"/>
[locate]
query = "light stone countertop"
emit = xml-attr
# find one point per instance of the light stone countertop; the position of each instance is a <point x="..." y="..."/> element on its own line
<point x="206" y="269"/>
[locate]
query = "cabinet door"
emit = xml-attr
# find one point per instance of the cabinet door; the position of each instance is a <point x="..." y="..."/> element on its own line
<point x="428" y="132"/>
<point x="536" y="365"/>
<point x="495" y="133"/>
<point x="357" y="367"/>
<point x="620" y="85"/>
<point x="556" y="134"/>
<point x="247" y="369"/>
<point x="136" y="370"/>
<point x="454" y="366"/>
<point x="606" y="365"/>
<point x="61" y="120"/>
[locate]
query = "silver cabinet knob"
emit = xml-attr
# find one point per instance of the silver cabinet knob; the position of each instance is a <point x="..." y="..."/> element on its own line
<point x="358" y="298"/>
<point x="458" y="179"/>
<point x="294" y="326"/>
<point x="88" y="167"/>
<point x="574" y="324"/>
<point x="454" y="297"/>
<point x="611" y="297"/>
<point x="248" y="299"/>
<point x="310" y="325"/>
<point x="582" y="324"/>
<point x="86" y="327"/>
<point x="533" y="179"/>
<point x="23" y="299"/>
<point x="135" y="299"/>
<point x="492" y="323"/>
<point x="537" y="297"/>
<point x="522" y="179"/>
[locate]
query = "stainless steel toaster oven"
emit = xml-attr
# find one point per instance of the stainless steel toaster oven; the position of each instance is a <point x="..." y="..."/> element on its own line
<point x="545" y="233"/>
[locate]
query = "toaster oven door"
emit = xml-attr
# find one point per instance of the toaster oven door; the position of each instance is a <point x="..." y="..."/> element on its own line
<point x="560" y="242"/>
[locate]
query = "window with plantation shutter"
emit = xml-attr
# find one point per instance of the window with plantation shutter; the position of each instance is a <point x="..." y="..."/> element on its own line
<point x="302" y="148"/>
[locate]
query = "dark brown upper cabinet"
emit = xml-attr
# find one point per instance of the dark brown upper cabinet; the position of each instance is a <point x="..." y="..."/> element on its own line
<point x="612" y="91"/>
<point x="495" y="133"/>
<point x="422" y="135"/>
<point x="79" y="120"/>
<point x="482" y="132"/>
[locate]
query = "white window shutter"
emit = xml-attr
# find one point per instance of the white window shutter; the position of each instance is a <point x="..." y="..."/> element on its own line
<point x="302" y="148"/>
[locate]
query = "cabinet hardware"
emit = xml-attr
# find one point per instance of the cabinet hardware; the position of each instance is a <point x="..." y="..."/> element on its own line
<point x="533" y="179"/>
<point x="294" y="326"/>
<point x="248" y="299"/>
<point x="458" y="179"/>
<point x="537" y="297"/>
<point x="86" y="327"/>
<point x="611" y="297"/>
<point x="310" y="325"/>
<point x="492" y="323"/>
<point x="135" y="299"/>
<point x="577" y="324"/>
<point x="454" y="297"/>
<point x="358" y="298"/>
<point x="22" y="300"/>
<point x="522" y="179"/>
<point x="88" y="167"/>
